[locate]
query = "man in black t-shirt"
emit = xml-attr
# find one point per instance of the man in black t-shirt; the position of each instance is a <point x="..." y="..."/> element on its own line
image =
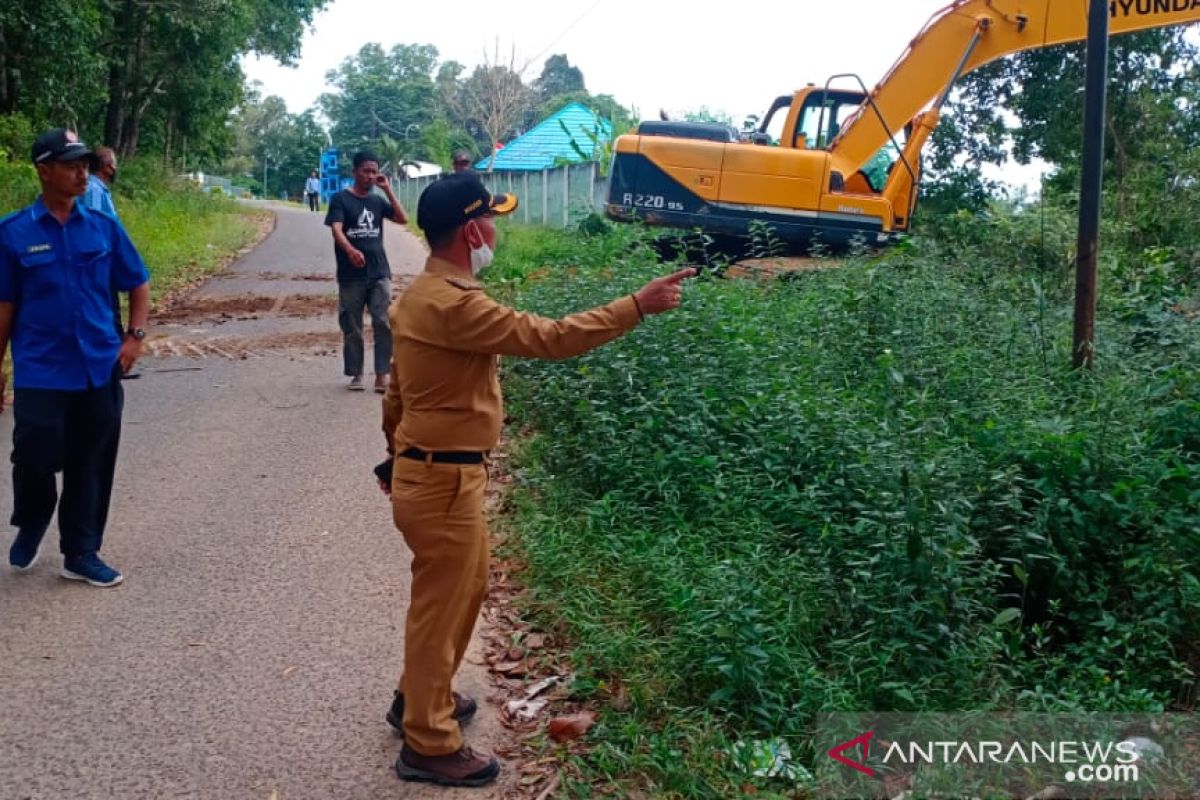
<point x="364" y="278"/>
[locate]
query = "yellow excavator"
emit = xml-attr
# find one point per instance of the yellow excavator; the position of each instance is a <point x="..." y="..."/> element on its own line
<point x="836" y="164"/>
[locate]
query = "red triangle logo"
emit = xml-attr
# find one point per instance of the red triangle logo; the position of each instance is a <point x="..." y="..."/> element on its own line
<point x="863" y="741"/>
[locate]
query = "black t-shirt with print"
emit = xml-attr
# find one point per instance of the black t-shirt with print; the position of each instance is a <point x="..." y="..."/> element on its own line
<point x="362" y="222"/>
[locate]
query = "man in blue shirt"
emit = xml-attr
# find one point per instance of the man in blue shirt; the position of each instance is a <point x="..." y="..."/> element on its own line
<point x="59" y="262"/>
<point x="102" y="169"/>
<point x="102" y="165"/>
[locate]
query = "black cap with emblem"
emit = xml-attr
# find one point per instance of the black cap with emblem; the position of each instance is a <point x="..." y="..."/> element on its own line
<point x="59" y="144"/>
<point x="449" y="202"/>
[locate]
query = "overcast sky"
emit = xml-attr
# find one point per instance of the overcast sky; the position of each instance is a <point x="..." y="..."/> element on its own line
<point x="733" y="57"/>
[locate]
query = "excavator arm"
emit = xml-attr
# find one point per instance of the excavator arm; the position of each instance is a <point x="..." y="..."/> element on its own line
<point x="962" y="37"/>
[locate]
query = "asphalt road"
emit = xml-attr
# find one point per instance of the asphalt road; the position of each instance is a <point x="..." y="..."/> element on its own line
<point x="253" y="648"/>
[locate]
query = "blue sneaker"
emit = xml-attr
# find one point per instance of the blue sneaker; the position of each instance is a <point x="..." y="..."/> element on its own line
<point x="24" y="551"/>
<point x="91" y="569"/>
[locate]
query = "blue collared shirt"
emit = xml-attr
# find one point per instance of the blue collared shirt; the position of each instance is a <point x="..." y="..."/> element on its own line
<point x="98" y="197"/>
<point x="60" y="277"/>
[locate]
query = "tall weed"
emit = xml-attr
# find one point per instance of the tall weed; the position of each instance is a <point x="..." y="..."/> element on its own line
<point x="873" y="487"/>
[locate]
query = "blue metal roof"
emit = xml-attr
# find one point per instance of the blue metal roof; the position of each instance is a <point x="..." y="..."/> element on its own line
<point x="546" y="142"/>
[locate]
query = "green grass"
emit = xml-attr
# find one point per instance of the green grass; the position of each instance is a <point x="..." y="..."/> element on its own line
<point x="878" y="487"/>
<point x="182" y="233"/>
<point x="184" y="236"/>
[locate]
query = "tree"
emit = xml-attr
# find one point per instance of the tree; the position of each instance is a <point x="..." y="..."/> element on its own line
<point x="494" y="99"/>
<point x="164" y="53"/>
<point x="381" y="93"/>
<point x="48" y="59"/>
<point x="558" y="78"/>
<point x="1030" y="105"/>
<point x="603" y="104"/>
<point x="395" y="155"/>
<point x="440" y="140"/>
<point x="298" y="152"/>
<point x="140" y="74"/>
<point x="265" y="133"/>
<point x="704" y="114"/>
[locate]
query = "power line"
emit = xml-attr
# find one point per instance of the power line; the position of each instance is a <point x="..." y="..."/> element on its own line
<point x="566" y="30"/>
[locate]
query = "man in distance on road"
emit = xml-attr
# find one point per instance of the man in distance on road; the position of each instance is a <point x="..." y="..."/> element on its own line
<point x="364" y="276"/>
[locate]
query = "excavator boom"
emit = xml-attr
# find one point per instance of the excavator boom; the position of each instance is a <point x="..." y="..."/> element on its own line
<point x="967" y="34"/>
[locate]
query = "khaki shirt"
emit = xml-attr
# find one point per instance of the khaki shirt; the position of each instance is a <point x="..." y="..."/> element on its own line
<point x="447" y="334"/>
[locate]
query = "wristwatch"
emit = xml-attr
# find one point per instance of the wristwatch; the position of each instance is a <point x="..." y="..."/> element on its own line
<point x="136" y="333"/>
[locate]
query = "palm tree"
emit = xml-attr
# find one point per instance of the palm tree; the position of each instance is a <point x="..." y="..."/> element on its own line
<point x="392" y="151"/>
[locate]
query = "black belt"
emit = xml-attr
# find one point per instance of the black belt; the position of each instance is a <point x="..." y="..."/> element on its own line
<point x="443" y="458"/>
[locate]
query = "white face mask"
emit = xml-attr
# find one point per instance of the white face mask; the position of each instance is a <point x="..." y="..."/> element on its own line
<point x="481" y="257"/>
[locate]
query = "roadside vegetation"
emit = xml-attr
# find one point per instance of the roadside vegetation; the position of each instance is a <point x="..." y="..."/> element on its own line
<point x="879" y="485"/>
<point x="874" y="486"/>
<point x="181" y="232"/>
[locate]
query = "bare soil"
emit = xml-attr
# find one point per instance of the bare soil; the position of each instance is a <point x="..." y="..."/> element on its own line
<point x="313" y="343"/>
<point x="773" y="267"/>
<point x="223" y="309"/>
<point x="287" y="276"/>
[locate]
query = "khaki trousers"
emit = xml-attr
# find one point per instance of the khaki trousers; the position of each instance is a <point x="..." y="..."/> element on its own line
<point x="439" y="509"/>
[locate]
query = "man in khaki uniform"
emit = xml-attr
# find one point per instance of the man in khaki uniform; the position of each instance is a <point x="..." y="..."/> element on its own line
<point x="441" y="415"/>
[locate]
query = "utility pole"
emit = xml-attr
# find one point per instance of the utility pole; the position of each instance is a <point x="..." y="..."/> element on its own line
<point x="1096" y="85"/>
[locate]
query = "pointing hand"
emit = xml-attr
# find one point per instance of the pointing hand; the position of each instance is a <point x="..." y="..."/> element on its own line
<point x="663" y="294"/>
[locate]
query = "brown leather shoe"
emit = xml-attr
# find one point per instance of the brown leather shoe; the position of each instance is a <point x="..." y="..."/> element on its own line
<point x="464" y="710"/>
<point x="463" y="767"/>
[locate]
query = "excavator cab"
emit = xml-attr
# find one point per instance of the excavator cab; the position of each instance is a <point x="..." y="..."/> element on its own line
<point x="823" y="113"/>
<point x="820" y="117"/>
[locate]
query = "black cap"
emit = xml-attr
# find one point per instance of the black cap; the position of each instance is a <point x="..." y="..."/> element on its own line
<point x="450" y="201"/>
<point x="59" y="144"/>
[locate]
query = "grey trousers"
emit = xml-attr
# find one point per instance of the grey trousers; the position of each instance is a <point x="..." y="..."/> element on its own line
<point x="352" y="299"/>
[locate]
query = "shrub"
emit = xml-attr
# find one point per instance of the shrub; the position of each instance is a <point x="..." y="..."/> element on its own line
<point x="873" y="487"/>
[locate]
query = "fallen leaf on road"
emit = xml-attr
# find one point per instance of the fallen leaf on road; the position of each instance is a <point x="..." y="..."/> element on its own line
<point x="527" y="710"/>
<point x="513" y="669"/>
<point x="289" y="671"/>
<point x="564" y="729"/>
<point x="197" y="644"/>
<point x="550" y="789"/>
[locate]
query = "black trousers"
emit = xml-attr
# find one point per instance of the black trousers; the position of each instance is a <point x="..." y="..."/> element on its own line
<point x="77" y="433"/>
